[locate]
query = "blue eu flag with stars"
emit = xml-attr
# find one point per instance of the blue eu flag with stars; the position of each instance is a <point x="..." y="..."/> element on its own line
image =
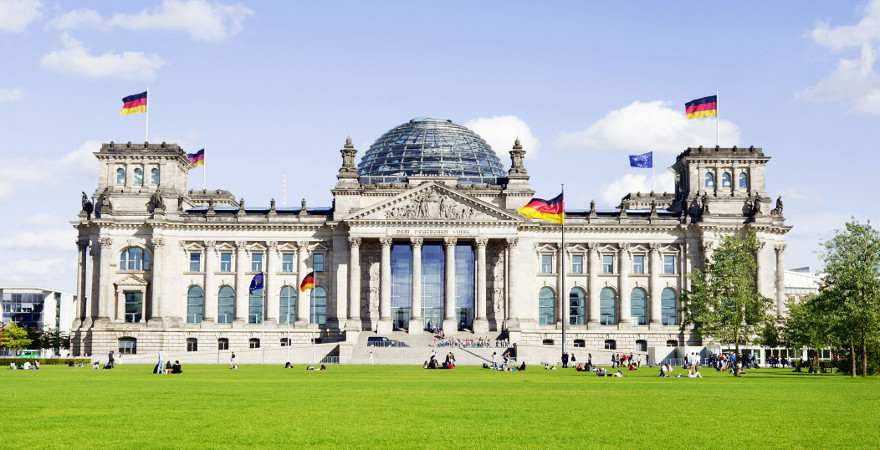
<point x="644" y="161"/>
<point x="256" y="283"/>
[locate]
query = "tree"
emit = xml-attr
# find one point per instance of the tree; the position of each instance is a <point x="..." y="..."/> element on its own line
<point x="805" y="326"/>
<point x="14" y="337"/>
<point x="850" y="298"/>
<point x="723" y="302"/>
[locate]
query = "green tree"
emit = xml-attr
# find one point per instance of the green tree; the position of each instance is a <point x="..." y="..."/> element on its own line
<point x="805" y="327"/>
<point x="723" y="302"/>
<point x="850" y="298"/>
<point x="14" y="337"/>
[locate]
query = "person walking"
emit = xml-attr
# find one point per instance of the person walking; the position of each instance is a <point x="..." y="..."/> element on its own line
<point x="565" y="360"/>
<point x="233" y="363"/>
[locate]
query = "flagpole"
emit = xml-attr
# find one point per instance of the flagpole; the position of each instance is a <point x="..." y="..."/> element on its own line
<point x="204" y="171"/>
<point x="147" y="120"/>
<point x="717" y="117"/>
<point x="562" y="295"/>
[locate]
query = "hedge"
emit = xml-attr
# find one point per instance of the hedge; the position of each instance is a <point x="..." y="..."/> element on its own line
<point x="4" y="362"/>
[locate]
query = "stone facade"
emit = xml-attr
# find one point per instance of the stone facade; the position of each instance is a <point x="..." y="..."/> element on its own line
<point x="149" y="246"/>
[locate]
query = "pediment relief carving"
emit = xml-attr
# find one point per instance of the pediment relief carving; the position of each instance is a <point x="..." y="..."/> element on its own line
<point x="434" y="202"/>
<point x="131" y="280"/>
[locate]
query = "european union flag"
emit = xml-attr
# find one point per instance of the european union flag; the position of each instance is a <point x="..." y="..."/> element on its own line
<point x="256" y="283"/>
<point x="644" y="161"/>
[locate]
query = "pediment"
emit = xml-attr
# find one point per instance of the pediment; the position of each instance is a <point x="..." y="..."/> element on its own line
<point x="131" y="280"/>
<point x="433" y="202"/>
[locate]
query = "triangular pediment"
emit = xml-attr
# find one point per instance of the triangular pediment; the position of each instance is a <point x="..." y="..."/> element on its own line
<point x="434" y="202"/>
<point x="131" y="280"/>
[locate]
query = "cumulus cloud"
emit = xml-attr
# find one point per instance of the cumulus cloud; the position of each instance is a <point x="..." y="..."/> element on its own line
<point x="201" y="19"/>
<point x="501" y="131"/>
<point x="16" y="15"/>
<point x="16" y="173"/>
<point x="30" y="269"/>
<point x="854" y="82"/>
<point x="58" y="239"/>
<point x="10" y="95"/>
<point x="75" y="59"/>
<point x="654" y="125"/>
<point x="612" y="192"/>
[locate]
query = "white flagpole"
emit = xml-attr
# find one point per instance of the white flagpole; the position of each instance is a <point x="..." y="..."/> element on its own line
<point x="717" y="117"/>
<point x="205" y="169"/>
<point x="147" y="120"/>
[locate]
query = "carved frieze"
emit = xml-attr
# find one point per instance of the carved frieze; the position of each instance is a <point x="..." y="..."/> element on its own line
<point x="431" y="204"/>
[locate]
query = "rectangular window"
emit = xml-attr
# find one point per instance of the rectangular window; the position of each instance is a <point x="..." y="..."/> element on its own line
<point x="638" y="263"/>
<point x="195" y="262"/>
<point x="577" y="263"/>
<point x="192" y="345"/>
<point x="256" y="262"/>
<point x="607" y="263"/>
<point x="222" y="344"/>
<point x="546" y="263"/>
<point x="287" y="262"/>
<point x="669" y="264"/>
<point x="226" y="262"/>
<point x="318" y="262"/>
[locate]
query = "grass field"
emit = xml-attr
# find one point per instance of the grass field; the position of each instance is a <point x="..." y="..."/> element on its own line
<point x="407" y="407"/>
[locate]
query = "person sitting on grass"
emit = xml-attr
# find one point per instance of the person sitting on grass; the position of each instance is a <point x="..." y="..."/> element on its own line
<point x="288" y="365"/>
<point x="522" y="367"/>
<point x="601" y="372"/>
<point x="176" y="367"/>
<point x="618" y="374"/>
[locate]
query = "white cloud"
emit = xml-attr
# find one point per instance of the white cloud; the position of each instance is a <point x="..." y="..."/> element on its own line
<point x="78" y="18"/>
<point x="654" y="125"/>
<point x="29" y="269"/>
<point x="75" y="59"/>
<point x="40" y="240"/>
<point x="501" y="131"/>
<point x="854" y="82"/>
<point x="201" y="19"/>
<point x="631" y="182"/>
<point x="16" y="173"/>
<point x="11" y="95"/>
<point x="16" y="15"/>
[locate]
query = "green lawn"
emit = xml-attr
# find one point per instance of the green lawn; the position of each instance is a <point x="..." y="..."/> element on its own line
<point x="407" y="407"/>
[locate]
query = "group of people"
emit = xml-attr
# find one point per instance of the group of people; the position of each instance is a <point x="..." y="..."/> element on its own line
<point x="506" y="364"/>
<point x="630" y="361"/>
<point x="163" y="367"/>
<point x="776" y="362"/>
<point x="25" y="365"/>
<point x="481" y="342"/>
<point x="433" y="363"/>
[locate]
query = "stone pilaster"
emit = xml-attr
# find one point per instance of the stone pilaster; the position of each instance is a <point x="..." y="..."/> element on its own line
<point x="655" y="287"/>
<point x="623" y="286"/>
<point x="354" y="285"/>
<point x="450" y="322"/>
<point x="82" y="246"/>
<point x="416" y="323"/>
<point x="241" y="284"/>
<point x="513" y="293"/>
<point x="780" y="280"/>
<point x="481" y="324"/>
<point x="595" y="267"/>
<point x="105" y="278"/>
<point x="271" y="291"/>
<point x="304" y="299"/>
<point x="210" y="283"/>
<point x="158" y="310"/>
<point x="385" y="325"/>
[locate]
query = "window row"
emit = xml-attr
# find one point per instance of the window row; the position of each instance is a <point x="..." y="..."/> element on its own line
<point x="608" y="306"/>
<point x="288" y="262"/>
<point x="128" y="345"/>
<point x="287" y="310"/>
<point x="641" y="345"/>
<point x="726" y="179"/>
<point x="137" y="176"/>
<point x="639" y="264"/>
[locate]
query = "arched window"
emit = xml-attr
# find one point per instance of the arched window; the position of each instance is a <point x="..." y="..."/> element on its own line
<point x="195" y="304"/>
<point x="546" y="306"/>
<point x="134" y="259"/>
<point x="743" y="180"/>
<point x="319" y="306"/>
<point x="641" y="345"/>
<point x="669" y="307"/>
<point x="577" y="306"/>
<point x="709" y="180"/>
<point x="128" y="345"/>
<point x="255" y="306"/>
<point x="154" y="176"/>
<point x="223" y="344"/>
<point x="225" y="305"/>
<point x="138" y="176"/>
<point x="726" y="179"/>
<point x="287" y="313"/>
<point x="253" y="343"/>
<point x="120" y="176"/>
<point x="608" y="306"/>
<point x="639" y="306"/>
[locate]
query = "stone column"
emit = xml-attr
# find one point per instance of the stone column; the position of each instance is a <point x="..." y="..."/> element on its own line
<point x="450" y="322"/>
<point x="759" y="279"/>
<point x="481" y="324"/>
<point x="94" y="299"/>
<point x="354" y="285"/>
<point x="271" y="291"/>
<point x="655" y="287"/>
<point x="157" y="310"/>
<point x="81" y="298"/>
<point x="241" y="284"/>
<point x="385" y="325"/>
<point x="562" y="301"/>
<point x="780" y="280"/>
<point x="304" y="299"/>
<point x="210" y="284"/>
<point x="623" y="285"/>
<point x="105" y="278"/>
<point x="512" y="322"/>
<point x="595" y="267"/>
<point x="416" y="323"/>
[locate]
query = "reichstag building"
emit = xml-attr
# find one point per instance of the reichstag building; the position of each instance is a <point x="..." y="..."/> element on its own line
<point x="420" y="236"/>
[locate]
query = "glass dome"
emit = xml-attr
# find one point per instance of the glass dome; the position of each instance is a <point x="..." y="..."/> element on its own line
<point x="431" y="147"/>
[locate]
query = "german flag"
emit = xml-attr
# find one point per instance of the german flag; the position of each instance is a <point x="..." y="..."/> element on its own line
<point x="702" y="107"/>
<point x="550" y="210"/>
<point x="134" y="104"/>
<point x="197" y="159"/>
<point x="308" y="282"/>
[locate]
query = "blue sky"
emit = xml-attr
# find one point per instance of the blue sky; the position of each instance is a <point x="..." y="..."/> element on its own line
<point x="275" y="87"/>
